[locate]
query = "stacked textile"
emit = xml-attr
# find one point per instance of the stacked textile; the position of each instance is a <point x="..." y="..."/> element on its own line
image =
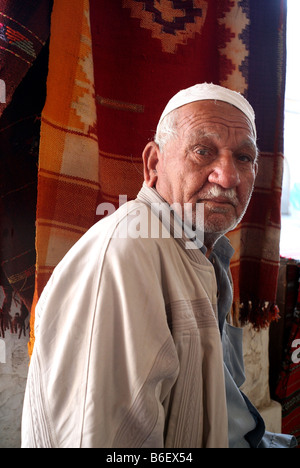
<point x="287" y="390"/>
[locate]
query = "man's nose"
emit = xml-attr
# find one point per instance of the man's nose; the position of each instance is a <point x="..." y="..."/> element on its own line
<point x="224" y="172"/>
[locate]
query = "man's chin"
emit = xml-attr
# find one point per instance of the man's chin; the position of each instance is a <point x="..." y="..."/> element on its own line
<point x="218" y="225"/>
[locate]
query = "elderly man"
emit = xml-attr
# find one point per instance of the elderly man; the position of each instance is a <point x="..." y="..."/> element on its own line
<point x="133" y="342"/>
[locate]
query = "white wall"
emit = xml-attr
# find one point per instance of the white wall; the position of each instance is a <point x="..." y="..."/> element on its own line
<point x="13" y="374"/>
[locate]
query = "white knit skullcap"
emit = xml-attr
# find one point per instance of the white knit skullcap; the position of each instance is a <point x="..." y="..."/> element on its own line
<point x="206" y="91"/>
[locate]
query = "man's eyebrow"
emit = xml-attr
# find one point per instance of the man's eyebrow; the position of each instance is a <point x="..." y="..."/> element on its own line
<point x="250" y="144"/>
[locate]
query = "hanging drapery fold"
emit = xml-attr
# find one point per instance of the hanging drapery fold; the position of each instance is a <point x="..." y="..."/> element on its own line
<point x="24" y="31"/>
<point x="256" y="240"/>
<point x="68" y="179"/>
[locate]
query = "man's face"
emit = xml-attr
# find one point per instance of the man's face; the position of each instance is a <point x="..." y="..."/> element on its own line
<point x="212" y="161"/>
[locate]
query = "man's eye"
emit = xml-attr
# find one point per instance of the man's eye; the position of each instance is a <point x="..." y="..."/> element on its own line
<point x="203" y="151"/>
<point x="245" y="158"/>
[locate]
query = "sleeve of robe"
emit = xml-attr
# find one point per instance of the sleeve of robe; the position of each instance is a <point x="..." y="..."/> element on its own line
<point x="104" y="359"/>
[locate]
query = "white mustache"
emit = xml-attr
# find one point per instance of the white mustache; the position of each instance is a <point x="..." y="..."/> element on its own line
<point x="216" y="192"/>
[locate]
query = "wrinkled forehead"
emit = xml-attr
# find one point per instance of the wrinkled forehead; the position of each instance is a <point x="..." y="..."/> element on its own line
<point x="210" y="91"/>
<point x="214" y="116"/>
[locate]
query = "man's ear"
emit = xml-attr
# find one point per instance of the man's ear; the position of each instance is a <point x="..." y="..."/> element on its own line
<point x="151" y="156"/>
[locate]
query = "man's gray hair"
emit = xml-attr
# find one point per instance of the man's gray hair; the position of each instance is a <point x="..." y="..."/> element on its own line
<point x="166" y="130"/>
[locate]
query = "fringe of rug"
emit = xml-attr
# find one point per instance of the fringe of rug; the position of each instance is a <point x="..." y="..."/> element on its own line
<point x="260" y="314"/>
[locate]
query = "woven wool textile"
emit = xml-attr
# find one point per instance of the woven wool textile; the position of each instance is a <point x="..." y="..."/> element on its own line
<point x="24" y="30"/>
<point x="288" y="385"/>
<point x="256" y="262"/>
<point x="68" y="178"/>
<point x="288" y="391"/>
<point x="143" y="53"/>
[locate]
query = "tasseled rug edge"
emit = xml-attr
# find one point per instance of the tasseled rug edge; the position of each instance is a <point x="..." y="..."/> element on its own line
<point x="260" y="314"/>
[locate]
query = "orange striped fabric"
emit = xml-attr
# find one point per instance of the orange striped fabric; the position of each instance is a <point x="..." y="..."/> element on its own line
<point x="68" y="177"/>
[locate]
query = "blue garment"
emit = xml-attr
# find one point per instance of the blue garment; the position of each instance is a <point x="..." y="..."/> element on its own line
<point x="246" y="428"/>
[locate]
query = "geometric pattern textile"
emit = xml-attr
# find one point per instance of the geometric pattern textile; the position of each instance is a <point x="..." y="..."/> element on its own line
<point x="125" y="60"/>
<point x="144" y="52"/>
<point x="172" y="23"/>
<point x="255" y="264"/>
